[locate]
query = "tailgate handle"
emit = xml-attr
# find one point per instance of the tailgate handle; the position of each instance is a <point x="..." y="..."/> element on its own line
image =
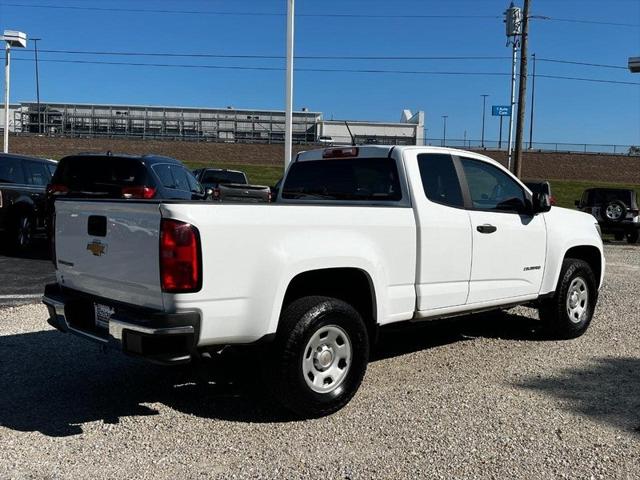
<point x="97" y="226"/>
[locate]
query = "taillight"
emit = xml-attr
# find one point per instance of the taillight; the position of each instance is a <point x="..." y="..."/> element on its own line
<point x="552" y="200"/>
<point x="216" y="194"/>
<point x="270" y="196"/>
<point x="57" y="189"/>
<point x="180" y="265"/>
<point x="138" y="191"/>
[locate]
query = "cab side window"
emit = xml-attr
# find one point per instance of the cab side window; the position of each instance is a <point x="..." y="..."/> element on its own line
<point x="440" y="180"/>
<point x="36" y="173"/>
<point x="492" y="189"/>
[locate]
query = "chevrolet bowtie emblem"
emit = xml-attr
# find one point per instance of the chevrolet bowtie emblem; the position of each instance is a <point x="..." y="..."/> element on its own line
<point x="97" y="248"/>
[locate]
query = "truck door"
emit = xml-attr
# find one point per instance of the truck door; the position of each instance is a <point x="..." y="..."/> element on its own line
<point x="444" y="232"/>
<point x="509" y="247"/>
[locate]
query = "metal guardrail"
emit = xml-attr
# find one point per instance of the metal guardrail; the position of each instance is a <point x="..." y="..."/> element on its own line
<point x="559" y="147"/>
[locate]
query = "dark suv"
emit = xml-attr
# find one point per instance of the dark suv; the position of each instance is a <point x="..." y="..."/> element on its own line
<point x="616" y="210"/>
<point x="22" y="198"/>
<point x="107" y="175"/>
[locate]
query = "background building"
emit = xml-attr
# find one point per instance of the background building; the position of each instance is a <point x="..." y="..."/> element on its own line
<point x="205" y="124"/>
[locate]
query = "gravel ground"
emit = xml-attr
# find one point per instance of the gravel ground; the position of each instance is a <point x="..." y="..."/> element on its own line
<point x="481" y="397"/>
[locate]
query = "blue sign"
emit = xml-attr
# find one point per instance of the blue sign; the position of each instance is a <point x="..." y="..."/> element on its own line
<point x="501" y="110"/>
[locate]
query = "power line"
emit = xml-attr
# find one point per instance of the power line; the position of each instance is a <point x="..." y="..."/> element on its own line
<point x="310" y="15"/>
<point x="596" y="80"/>
<point x="591" y="22"/>
<point x="243" y="14"/>
<point x="267" y="57"/>
<point x="570" y="62"/>
<point x="311" y="57"/>
<point x="322" y="70"/>
<point x="241" y="67"/>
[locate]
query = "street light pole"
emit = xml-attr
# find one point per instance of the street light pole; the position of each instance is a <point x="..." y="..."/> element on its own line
<point x="484" y="101"/>
<point x="11" y="39"/>
<point x="444" y="130"/>
<point x="35" y="51"/>
<point x="7" y="76"/>
<point x="288" y="122"/>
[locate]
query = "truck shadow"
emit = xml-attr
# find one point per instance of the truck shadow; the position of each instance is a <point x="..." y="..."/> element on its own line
<point x="54" y="383"/>
<point x="410" y="337"/>
<point x="607" y="390"/>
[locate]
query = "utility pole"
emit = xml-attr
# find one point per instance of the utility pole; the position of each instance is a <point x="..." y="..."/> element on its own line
<point x="35" y="51"/>
<point x="522" y="91"/>
<point x="533" y="97"/>
<point x="484" y="102"/>
<point x="513" y="21"/>
<point x="444" y="130"/>
<point x="288" y="121"/>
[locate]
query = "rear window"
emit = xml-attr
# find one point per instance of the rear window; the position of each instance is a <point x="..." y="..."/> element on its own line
<point x="215" y="176"/>
<point x="101" y="175"/>
<point x="11" y="170"/>
<point x="363" y="179"/>
<point x="595" y="197"/>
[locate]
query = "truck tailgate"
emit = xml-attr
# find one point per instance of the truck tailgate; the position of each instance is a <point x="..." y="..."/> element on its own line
<point x="110" y="249"/>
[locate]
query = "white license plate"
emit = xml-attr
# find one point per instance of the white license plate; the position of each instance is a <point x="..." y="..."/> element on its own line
<point x="102" y="315"/>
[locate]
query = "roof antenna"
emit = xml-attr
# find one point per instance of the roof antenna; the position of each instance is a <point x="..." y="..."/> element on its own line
<point x="353" y="139"/>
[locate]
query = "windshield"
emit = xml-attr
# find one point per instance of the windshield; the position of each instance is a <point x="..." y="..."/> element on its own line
<point x="223" y="176"/>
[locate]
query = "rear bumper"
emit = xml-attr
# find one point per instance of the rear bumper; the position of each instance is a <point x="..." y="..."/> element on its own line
<point x="167" y="338"/>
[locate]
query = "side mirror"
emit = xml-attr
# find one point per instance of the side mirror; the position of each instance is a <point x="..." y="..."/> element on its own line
<point x="541" y="202"/>
<point x="208" y="192"/>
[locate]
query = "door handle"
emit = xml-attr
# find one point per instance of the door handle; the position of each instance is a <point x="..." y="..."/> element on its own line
<point x="486" y="228"/>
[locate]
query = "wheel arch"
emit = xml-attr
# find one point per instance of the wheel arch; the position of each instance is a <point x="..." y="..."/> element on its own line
<point x="590" y="254"/>
<point x="350" y="284"/>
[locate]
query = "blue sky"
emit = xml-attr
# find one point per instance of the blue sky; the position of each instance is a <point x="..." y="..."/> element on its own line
<point x="566" y="111"/>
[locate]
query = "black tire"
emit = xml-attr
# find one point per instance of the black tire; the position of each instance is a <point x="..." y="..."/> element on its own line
<point x="22" y="233"/>
<point x="633" y="236"/>
<point x="302" y="321"/>
<point x="558" y="320"/>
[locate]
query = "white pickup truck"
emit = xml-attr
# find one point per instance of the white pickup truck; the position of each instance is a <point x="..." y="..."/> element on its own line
<point x="359" y="237"/>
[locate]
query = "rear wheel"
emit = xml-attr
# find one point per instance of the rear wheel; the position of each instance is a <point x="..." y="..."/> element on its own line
<point x="319" y="357"/>
<point x="569" y="312"/>
<point x="22" y="236"/>
<point x="632" y="236"/>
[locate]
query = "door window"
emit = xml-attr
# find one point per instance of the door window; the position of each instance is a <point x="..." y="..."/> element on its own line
<point x="440" y="180"/>
<point x="36" y="173"/>
<point x="492" y="189"/>
<point x="180" y="176"/>
<point x="164" y="174"/>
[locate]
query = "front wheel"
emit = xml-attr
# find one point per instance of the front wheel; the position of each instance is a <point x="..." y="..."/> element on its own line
<point x="569" y="312"/>
<point x="319" y="357"/>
